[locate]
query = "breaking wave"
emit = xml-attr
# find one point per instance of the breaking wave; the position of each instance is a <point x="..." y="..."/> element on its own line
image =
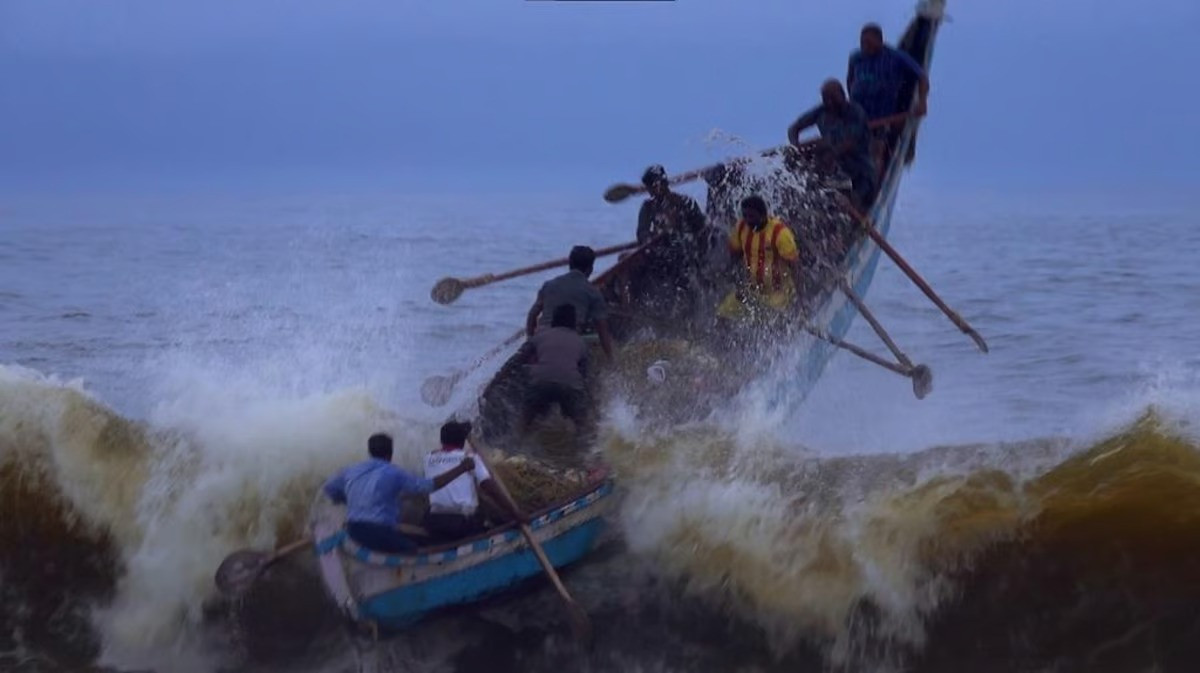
<point x="1050" y="553"/>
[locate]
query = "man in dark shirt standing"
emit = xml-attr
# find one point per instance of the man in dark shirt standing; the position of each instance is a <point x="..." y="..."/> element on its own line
<point x="573" y="288"/>
<point x="877" y="73"/>
<point x="845" y="138"/>
<point x="670" y="267"/>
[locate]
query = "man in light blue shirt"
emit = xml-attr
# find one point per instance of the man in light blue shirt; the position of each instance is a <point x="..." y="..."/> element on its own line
<point x="371" y="491"/>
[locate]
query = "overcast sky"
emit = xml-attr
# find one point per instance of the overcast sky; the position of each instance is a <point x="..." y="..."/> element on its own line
<point x="476" y="93"/>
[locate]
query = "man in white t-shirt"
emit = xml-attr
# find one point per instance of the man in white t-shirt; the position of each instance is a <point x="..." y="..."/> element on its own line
<point x="454" y="509"/>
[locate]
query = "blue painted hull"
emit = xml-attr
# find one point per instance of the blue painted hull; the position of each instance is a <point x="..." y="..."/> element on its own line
<point x="393" y="591"/>
<point x="408" y="604"/>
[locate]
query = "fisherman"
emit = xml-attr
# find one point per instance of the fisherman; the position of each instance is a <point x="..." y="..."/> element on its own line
<point x="558" y="358"/>
<point x="670" y="268"/>
<point x="454" y="511"/>
<point x="877" y="73"/>
<point x="572" y="288"/>
<point x="770" y="268"/>
<point x="370" y="490"/>
<point x="845" y="139"/>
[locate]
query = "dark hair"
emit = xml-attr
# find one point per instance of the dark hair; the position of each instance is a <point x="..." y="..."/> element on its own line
<point x="379" y="445"/>
<point x="654" y="174"/>
<point x="873" y="28"/>
<point x="582" y="258"/>
<point x="455" y="433"/>
<point x="564" y="316"/>
<point x="755" y="203"/>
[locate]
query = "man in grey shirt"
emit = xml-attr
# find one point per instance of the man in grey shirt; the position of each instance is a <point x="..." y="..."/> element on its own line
<point x="558" y="360"/>
<point x="572" y="288"/>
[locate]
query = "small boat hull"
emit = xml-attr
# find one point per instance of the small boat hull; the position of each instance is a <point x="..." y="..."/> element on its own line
<point x="394" y="591"/>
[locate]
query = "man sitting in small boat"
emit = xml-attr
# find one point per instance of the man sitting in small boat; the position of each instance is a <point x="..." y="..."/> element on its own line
<point x="371" y="489"/>
<point x="454" y="510"/>
<point x="845" y="139"/>
<point x="572" y="288"/>
<point x="558" y="358"/>
<point x="770" y="268"/>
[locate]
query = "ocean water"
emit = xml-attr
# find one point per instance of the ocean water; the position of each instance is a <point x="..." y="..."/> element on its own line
<point x="178" y="373"/>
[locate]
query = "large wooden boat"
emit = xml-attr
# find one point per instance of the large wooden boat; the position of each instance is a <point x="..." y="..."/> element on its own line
<point x="797" y="358"/>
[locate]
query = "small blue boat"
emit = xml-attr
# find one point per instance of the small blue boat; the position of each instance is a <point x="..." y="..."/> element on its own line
<point x="393" y="591"/>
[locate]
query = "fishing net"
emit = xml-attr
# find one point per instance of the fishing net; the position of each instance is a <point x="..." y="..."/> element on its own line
<point x="534" y="485"/>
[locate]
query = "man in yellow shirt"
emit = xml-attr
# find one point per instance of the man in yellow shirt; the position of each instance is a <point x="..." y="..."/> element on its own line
<point x="770" y="264"/>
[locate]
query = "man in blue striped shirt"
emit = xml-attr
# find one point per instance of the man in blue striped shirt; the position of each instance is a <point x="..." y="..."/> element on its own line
<point x="371" y="491"/>
<point x="877" y="73"/>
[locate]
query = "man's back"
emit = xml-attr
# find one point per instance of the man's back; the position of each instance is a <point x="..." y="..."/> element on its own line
<point x="459" y="496"/>
<point x="559" y="352"/>
<point x="572" y="288"/>
<point x="370" y="490"/>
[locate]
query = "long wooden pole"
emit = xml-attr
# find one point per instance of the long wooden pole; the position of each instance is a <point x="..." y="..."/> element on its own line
<point x="581" y="624"/>
<point x="915" y="277"/>
<point x="922" y="377"/>
<point x="449" y="289"/>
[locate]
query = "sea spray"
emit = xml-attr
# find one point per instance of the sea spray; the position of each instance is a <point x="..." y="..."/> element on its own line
<point x="875" y="561"/>
<point x="176" y="497"/>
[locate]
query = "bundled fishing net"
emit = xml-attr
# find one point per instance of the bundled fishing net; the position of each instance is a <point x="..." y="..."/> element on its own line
<point x="535" y="485"/>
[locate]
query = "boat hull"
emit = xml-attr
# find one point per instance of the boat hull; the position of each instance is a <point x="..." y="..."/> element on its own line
<point x="394" y="591"/>
<point x="835" y="312"/>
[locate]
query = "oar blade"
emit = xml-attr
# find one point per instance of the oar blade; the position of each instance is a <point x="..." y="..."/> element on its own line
<point x="979" y="342"/>
<point x="620" y="192"/>
<point x="581" y="624"/>
<point x="447" y="290"/>
<point x="239" y="571"/>
<point x="922" y="381"/>
<point x="437" y="390"/>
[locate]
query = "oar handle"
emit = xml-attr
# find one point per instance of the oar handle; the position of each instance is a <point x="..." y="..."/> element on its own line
<point x="916" y="278"/>
<point x="489" y="278"/>
<point x="290" y="549"/>
<point x="860" y="352"/>
<point x="638" y="251"/>
<point x="577" y="614"/>
<point x="861" y="305"/>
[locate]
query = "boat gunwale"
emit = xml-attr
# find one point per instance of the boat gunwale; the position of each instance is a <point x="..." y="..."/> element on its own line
<point x="579" y="502"/>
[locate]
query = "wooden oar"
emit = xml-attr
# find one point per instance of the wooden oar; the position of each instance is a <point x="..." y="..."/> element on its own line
<point x="437" y="390"/>
<point x="447" y="290"/>
<point x="915" y="277"/>
<point x="581" y="624"/>
<point x="241" y="569"/>
<point x="922" y="377"/>
<point x="621" y="191"/>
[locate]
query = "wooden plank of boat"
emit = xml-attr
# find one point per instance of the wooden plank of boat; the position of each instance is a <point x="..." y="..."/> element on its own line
<point x="393" y="591"/>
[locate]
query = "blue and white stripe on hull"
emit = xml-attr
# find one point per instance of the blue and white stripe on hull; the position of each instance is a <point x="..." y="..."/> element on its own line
<point x="395" y="590"/>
